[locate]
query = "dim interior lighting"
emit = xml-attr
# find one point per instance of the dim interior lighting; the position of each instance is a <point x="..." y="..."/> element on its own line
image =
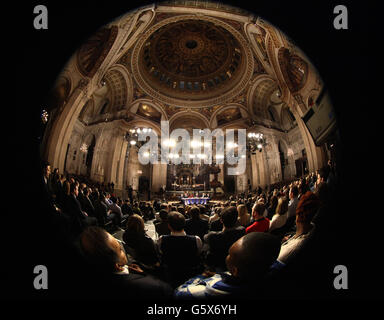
<point x="44" y="116"/>
<point x="255" y="141"/>
<point x="84" y="147"/>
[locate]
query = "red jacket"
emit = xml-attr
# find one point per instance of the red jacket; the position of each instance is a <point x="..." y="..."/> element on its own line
<point x="260" y="225"/>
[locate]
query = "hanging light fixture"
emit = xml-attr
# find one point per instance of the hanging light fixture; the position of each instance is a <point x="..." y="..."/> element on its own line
<point x="256" y="142"/>
<point x="84" y="147"/>
<point x="133" y="134"/>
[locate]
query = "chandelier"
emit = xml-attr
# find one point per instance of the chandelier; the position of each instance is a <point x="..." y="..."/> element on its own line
<point x="133" y="134"/>
<point x="255" y="142"/>
<point x="44" y="116"/>
<point x="84" y="147"/>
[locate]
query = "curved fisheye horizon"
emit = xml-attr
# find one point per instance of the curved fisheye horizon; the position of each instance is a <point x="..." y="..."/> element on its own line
<point x="186" y="146"/>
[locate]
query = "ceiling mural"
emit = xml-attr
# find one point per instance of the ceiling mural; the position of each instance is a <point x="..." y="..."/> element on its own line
<point x="198" y="60"/>
<point x="198" y="57"/>
<point x="228" y="115"/>
<point x="93" y="52"/>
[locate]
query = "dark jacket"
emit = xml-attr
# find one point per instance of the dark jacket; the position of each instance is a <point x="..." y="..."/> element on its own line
<point x="197" y="227"/>
<point x="218" y="244"/>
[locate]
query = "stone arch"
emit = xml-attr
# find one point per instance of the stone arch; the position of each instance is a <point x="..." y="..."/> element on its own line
<point x="241" y="114"/>
<point x="194" y="117"/>
<point x="259" y="94"/>
<point x="88" y="111"/>
<point x="117" y="85"/>
<point x="135" y="108"/>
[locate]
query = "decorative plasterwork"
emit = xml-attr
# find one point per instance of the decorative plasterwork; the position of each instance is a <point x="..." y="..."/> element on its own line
<point x="221" y="97"/>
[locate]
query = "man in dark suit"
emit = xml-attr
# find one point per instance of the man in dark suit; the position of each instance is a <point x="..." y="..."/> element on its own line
<point x="218" y="243"/>
<point x="161" y="226"/>
<point x="79" y="218"/>
<point x="196" y="226"/>
<point x="107" y="273"/>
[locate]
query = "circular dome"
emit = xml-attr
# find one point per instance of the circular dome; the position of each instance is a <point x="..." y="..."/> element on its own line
<point x="202" y="58"/>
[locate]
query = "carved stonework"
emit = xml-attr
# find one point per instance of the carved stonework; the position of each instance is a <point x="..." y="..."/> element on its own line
<point x="92" y="53"/>
<point x="293" y="68"/>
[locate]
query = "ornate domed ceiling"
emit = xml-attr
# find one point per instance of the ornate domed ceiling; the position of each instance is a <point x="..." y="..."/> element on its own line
<point x="203" y="59"/>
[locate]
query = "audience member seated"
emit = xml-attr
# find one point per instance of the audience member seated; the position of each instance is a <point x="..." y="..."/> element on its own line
<point x="261" y="223"/>
<point x="248" y="262"/>
<point x="217" y="225"/>
<point x="139" y="244"/>
<point x="180" y="253"/>
<point x="244" y="217"/>
<point x="203" y="212"/>
<point x="163" y="206"/>
<point x="108" y="275"/>
<point x="79" y="218"/>
<point x="218" y="243"/>
<point x="161" y="226"/>
<point x="126" y="208"/>
<point x="306" y="209"/>
<point x="196" y="225"/>
<point x="280" y="217"/>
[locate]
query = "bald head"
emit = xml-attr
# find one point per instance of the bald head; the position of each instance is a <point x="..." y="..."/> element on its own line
<point x="252" y="254"/>
<point x="102" y="250"/>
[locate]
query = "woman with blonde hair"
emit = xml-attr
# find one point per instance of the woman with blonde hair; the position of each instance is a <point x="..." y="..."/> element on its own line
<point x="244" y="218"/>
<point x="280" y="217"/>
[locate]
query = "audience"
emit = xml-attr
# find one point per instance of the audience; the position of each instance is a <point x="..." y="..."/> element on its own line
<point x="196" y="225"/>
<point x="139" y="244"/>
<point x="244" y="217"/>
<point x="248" y="261"/>
<point x="306" y="209"/>
<point x="161" y="226"/>
<point x="79" y="218"/>
<point x="261" y="223"/>
<point x="218" y="243"/>
<point x="191" y="238"/>
<point x="104" y="257"/>
<point x="280" y="217"/>
<point x="180" y="253"/>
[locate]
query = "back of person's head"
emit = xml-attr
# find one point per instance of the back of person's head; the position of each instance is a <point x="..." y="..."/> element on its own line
<point x="202" y="209"/>
<point x="135" y="223"/>
<point x="96" y="249"/>
<point x="72" y="187"/>
<point x="176" y="221"/>
<point x="163" y="215"/>
<point x="252" y="255"/>
<point x="229" y="217"/>
<point x="242" y="210"/>
<point x="181" y="210"/>
<point x="295" y="191"/>
<point x="194" y="212"/>
<point x="282" y="206"/>
<point x="114" y="199"/>
<point x="259" y="208"/>
<point x="307" y="207"/>
<point x="164" y="206"/>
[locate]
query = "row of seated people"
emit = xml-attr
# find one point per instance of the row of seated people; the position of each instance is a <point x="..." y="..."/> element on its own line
<point x="229" y="263"/>
<point x="191" y="259"/>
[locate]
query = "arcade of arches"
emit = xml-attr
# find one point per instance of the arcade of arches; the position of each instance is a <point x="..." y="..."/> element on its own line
<point x="196" y="66"/>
